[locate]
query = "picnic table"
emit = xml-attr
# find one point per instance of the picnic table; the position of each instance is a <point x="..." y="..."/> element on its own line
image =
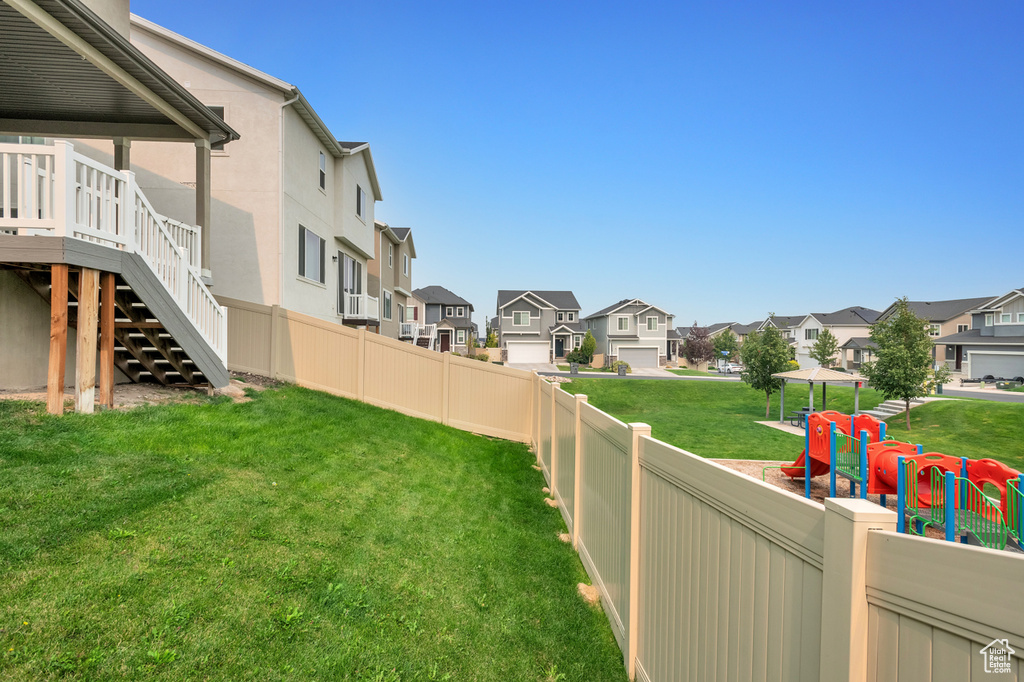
<point x="799" y="417"/>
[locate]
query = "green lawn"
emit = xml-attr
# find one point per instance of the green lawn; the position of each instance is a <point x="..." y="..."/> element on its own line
<point x="297" y="536"/>
<point x="692" y="373"/>
<point x="718" y="419"/>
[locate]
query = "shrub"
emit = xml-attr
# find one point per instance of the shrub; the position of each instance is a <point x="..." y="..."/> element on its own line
<point x="577" y="355"/>
<point x="791" y="365"/>
<point x="587" y="348"/>
<point x="483" y="357"/>
<point x="620" y="363"/>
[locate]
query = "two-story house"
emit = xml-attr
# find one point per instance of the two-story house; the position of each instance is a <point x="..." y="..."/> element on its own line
<point x="293" y="206"/>
<point x="537" y="327"/>
<point x="845" y="324"/>
<point x="633" y="331"/>
<point x="390" y="280"/>
<point x="994" y="345"/>
<point x="448" y="316"/>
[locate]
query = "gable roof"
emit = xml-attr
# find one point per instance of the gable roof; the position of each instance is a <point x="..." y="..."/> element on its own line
<point x="783" y="321"/>
<point x="719" y="326"/>
<point x="744" y="329"/>
<point x="939" y="311"/>
<point x="439" y="295"/>
<point x="998" y="300"/>
<point x="68" y="73"/>
<point x="623" y="303"/>
<point x="560" y="300"/>
<point x="854" y="315"/>
<point x="288" y="91"/>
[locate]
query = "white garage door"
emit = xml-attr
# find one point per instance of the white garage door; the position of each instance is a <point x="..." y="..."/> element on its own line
<point x="999" y="366"/>
<point x="528" y="352"/>
<point x="639" y="357"/>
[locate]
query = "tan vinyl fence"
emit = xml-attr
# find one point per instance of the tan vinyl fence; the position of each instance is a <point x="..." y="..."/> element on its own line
<point x="466" y="394"/>
<point x="707" y="574"/>
<point x="704" y="573"/>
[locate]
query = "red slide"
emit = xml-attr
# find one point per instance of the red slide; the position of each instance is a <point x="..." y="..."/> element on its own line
<point x="796" y="469"/>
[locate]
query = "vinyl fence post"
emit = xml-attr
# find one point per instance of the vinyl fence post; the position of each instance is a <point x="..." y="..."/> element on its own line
<point x="844" y="604"/>
<point x="576" y="487"/>
<point x="361" y="367"/>
<point x="446" y="378"/>
<point x="636" y="431"/>
<point x="553" y="483"/>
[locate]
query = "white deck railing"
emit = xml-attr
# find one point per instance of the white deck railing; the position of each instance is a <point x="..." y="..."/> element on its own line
<point x="361" y="307"/>
<point x="58" y="192"/>
<point x="409" y="330"/>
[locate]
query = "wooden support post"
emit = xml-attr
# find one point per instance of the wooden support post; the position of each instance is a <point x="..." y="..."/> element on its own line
<point x="58" y="339"/>
<point x="107" y="340"/>
<point x="88" y="327"/>
<point x="576" y="487"/>
<point x="636" y="431"/>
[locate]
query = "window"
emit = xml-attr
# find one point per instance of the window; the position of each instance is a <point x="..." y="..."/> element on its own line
<point x="323" y="171"/>
<point x="962" y="328"/>
<point x="405" y="264"/>
<point x="391" y="254"/>
<point x="933" y="330"/>
<point x="572" y="317"/>
<point x="811" y="334"/>
<point x="387" y="305"/>
<point x="1020" y="317"/>
<point x="521" y="318"/>
<point x="577" y="341"/>
<point x="460" y="312"/>
<point x="360" y="202"/>
<point x="560" y="316"/>
<point x="622" y="323"/>
<point x="460" y="336"/>
<point x="988" y="319"/>
<point x="652" y="324"/>
<point x="415" y="312"/>
<point x="449" y="311"/>
<point x="401" y="313"/>
<point x="1005" y="318"/>
<point x="311" y="256"/>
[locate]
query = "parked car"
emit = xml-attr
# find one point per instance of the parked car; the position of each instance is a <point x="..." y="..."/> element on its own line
<point x="731" y="368"/>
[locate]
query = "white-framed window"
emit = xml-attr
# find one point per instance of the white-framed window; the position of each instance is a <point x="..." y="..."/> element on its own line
<point x="460" y="312"/>
<point x="311" y="255"/>
<point x="360" y="202"/>
<point x="652" y="323"/>
<point x="560" y="316"/>
<point x="323" y="171"/>
<point x="962" y="328"/>
<point x="934" y="330"/>
<point x="460" y="336"/>
<point x="405" y="264"/>
<point x="622" y="323"/>
<point x="391" y="255"/>
<point x="571" y="317"/>
<point x="1005" y="318"/>
<point x="387" y="305"/>
<point x="449" y="311"/>
<point x="521" y="318"/>
<point x="1020" y="318"/>
<point x="577" y="341"/>
<point x="988" y="319"/>
<point x="811" y="334"/>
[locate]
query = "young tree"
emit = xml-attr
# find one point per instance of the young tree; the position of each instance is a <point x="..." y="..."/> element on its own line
<point x="587" y="347"/>
<point x="698" y="346"/>
<point x="904" y="356"/>
<point x="825" y="348"/>
<point x="726" y="345"/>
<point x="764" y="354"/>
<point x="492" y="338"/>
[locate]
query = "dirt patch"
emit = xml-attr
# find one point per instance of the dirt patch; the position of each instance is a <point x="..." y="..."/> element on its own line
<point x="128" y="396"/>
<point x="565" y="537"/>
<point x="550" y="501"/>
<point x="589" y="594"/>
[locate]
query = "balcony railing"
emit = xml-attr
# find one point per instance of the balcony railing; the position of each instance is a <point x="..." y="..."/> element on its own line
<point x="361" y="307"/>
<point x="409" y="330"/>
<point x="55" y="191"/>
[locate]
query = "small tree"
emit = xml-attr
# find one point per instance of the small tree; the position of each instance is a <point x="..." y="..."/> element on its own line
<point x="726" y="345"/>
<point x="698" y="346"/>
<point x="492" y="338"/>
<point x="587" y="348"/>
<point x="764" y="354"/>
<point x="904" y="356"/>
<point x="825" y="348"/>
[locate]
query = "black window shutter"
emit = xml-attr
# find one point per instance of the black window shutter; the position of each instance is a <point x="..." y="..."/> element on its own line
<point x="323" y="253"/>
<point x="302" y="251"/>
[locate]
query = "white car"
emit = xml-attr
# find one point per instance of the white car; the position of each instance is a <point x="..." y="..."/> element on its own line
<point x="731" y="368"/>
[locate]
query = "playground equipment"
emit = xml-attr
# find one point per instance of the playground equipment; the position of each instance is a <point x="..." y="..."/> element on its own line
<point x="979" y="499"/>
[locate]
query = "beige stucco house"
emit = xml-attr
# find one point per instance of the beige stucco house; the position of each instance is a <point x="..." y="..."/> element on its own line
<point x="294" y="206"/>
<point x="390" y="281"/>
<point x="845" y="324"/>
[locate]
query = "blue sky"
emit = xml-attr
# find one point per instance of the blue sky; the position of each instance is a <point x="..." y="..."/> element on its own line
<point x="720" y="160"/>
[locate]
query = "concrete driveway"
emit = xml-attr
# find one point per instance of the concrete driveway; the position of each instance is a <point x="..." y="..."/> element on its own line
<point x="651" y="372"/>
<point x="530" y="366"/>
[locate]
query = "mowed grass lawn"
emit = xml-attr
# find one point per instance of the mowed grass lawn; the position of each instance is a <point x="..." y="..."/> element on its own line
<point x="297" y="536"/>
<point x="718" y="419"/>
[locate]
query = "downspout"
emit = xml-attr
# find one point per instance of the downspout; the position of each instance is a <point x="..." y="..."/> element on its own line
<point x="280" y="198"/>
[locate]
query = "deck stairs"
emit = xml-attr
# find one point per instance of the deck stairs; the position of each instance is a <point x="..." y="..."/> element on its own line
<point x="168" y="327"/>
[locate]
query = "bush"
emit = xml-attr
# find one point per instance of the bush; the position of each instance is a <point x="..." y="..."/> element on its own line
<point x="577" y="355"/>
<point x="483" y="357"/>
<point x="587" y="348"/>
<point x="620" y="363"/>
<point x="791" y="365"/>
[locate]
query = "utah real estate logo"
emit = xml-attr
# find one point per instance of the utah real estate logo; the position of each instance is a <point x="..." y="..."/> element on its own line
<point x="997" y="656"/>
